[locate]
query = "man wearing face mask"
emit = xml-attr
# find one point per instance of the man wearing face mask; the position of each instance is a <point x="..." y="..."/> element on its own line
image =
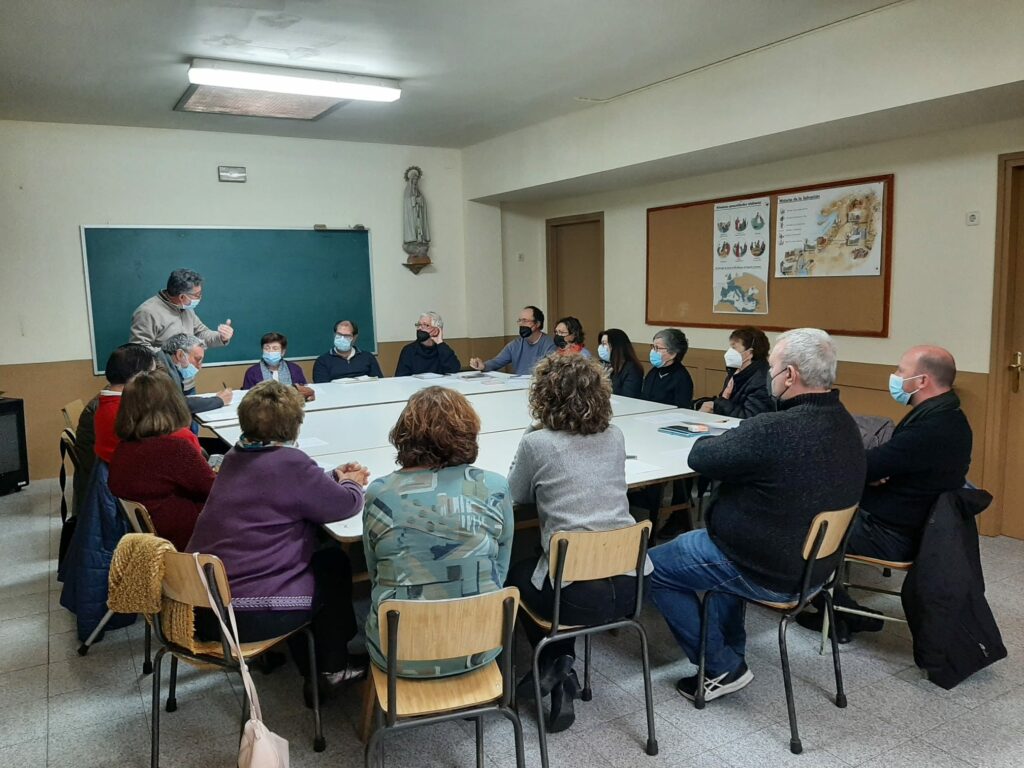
<point x="429" y="353"/>
<point x="173" y="311"/>
<point x="526" y="351"/>
<point x="776" y="473"/>
<point x="182" y="355"/>
<point x="345" y="360"/>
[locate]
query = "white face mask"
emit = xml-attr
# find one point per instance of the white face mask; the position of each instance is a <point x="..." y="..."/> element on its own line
<point x="733" y="359"/>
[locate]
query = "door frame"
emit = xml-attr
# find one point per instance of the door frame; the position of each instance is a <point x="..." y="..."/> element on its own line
<point x="1003" y="289"/>
<point x="551" y="256"/>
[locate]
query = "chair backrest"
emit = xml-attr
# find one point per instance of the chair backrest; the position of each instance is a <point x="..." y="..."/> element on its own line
<point x="67" y="442"/>
<point x="836" y="524"/>
<point x="182" y="582"/>
<point x="447" y="629"/>
<point x="138" y="516"/>
<point x="598" y="554"/>
<point x="72" y="412"/>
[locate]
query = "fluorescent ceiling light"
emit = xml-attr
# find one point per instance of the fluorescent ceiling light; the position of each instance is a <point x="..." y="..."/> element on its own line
<point x="303" y="82"/>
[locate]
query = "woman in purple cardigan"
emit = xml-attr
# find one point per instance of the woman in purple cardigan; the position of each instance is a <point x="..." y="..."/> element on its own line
<point x="273" y="367"/>
<point x="263" y="518"/>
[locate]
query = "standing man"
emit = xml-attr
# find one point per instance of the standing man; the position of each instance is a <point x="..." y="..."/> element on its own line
<point x="345" y="360"/>
<point x="526" y="351"/>
<point x="777" y="472"/>
<point x="173" y="311"/>
<point x="429" y="353"/>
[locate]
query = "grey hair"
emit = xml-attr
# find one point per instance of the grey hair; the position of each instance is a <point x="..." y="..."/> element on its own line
<point x="812" y="352"/>
<point x="675" y="340"/>
<point x="183" y="281"/>
<point x="434" y="318"/>
<point x="182" y="341"/>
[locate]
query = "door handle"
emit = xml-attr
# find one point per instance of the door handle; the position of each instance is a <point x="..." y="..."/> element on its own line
<point x="1016" y="366"/>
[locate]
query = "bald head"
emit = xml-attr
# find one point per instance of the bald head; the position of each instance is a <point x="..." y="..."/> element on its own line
<point x="937" y="362"/>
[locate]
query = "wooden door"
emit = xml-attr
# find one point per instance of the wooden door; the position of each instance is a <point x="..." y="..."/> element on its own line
<point x="576" y="273"/>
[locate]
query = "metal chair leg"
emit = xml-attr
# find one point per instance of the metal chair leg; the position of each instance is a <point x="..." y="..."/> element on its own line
<point x="480" y="741"/>
<point x="172" y="699"/>
<point x="541" y="729"/>
<point x="645" y="658"/>
<point x="840" y="692"/>
<point x="698" y="695"/>
<point x="147" y="664"/>
<point x="517" y="728"/>
<point x="154" y="749"/>
<point x="319" y="742"/>
<point x="794" y="741"/>
<point x="84" y="647"/>
<point x="588" y="693"/>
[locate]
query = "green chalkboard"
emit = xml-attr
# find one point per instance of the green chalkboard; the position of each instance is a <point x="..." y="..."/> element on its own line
<point x="294" y="281"/>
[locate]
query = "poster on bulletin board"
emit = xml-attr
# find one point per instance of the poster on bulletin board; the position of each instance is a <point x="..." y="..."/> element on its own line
<point x="742" y="239"/>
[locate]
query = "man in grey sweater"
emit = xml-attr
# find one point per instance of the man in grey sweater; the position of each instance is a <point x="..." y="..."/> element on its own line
<point x="523" y="354"/>
<point x="777" y="471"/>
<point x="173" y="311"/>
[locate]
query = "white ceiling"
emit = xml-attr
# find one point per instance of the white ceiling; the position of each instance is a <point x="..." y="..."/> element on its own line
<point x="470" y="69"/>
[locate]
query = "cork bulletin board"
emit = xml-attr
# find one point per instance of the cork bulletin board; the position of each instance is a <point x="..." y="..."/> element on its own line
<point x="680" y="264"/>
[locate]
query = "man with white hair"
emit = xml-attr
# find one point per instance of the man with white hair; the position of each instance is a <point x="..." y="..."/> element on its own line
<point x="776" y="472"/>
<point x="182" y="356"/>
<point x="429" y="353"/>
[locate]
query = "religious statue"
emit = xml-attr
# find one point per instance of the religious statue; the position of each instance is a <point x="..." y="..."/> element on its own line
<point x="416" y="234"/>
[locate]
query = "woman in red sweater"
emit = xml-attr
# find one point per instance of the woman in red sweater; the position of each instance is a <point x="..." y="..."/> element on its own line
<point x="158" y="462"/>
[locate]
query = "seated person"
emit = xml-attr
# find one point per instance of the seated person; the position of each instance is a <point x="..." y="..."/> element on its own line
<point x="777" y="472"/>
<point x="262" y="519"/>
<point x="158" y="462"/>
<point x="928" y="454"/>
<point x="274" y="366"/>
<point x="574" y="468"/>
<point x="522" y="353"/>
<point x="345" y="360"/>
<point x="124" y="362"/>
<point x="182" y="356"/>
<point x="569" y="337"/>
<point x="429" y="353"/>
<point x="745" y="392"/>
<point x="439" y="527"/>
<point x="617" y="353"/>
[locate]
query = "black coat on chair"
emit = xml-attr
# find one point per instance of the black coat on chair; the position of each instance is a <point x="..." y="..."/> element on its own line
<point x="943" y="595"/>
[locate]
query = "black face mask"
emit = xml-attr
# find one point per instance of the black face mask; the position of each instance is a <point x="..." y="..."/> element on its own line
<point x="525" y="331"/>
<point x="560" y="341"/>
<point x="422" y="336"/>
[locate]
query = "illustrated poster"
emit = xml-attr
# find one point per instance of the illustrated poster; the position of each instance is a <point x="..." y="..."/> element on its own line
<point x="835" y="232"/>
<point x="741" y="255"/>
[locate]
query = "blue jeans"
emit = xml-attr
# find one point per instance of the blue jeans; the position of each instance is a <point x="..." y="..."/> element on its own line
<point x="689" y="564"/>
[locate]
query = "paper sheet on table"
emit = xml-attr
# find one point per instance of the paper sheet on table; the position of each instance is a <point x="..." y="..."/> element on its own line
<point x="428" y="375"/>
<point x="634" y="467"/>
<point x="310" y="442"/>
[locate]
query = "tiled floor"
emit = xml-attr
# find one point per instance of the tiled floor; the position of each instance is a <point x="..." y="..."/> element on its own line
<point x="59" y="709"/>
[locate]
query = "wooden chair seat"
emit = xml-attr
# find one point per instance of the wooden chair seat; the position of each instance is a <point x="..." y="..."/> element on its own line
<point x="894" y="565"/>
<point x="426" y="696"/>
<point x="249" y="650"/>
<point x="544" y="623"/>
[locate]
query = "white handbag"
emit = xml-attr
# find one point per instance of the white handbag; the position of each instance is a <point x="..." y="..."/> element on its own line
<point x="260" y="747"/>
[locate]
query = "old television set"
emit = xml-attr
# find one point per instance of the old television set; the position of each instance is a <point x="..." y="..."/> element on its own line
<point x="13" y="449"/>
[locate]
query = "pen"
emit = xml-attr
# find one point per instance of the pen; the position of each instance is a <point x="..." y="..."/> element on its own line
<point x="630" y="456"/>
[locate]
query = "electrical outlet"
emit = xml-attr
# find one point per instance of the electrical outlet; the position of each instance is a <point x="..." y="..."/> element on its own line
<point x="973" y="218"/>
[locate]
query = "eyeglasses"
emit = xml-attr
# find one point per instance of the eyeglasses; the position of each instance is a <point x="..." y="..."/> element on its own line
<point x="524" y="321"/>
<point x="424" y="326"/>
<point x="563" y="335"/>
<point x="345" y="335"/>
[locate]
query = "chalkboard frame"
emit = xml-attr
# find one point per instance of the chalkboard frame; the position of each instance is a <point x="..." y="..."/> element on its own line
<point x="371" y="346"/>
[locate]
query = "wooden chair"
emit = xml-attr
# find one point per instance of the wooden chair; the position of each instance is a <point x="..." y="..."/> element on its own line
<point x="425" y="630"/>
<point x="826" y="538"/>
<point x="182" y="583"/>
<point x="887" y="567"/>
<point x="588" y="556"/>
<point x="72" y="412"/>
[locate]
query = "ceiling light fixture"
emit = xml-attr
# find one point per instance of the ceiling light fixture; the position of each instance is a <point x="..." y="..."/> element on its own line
<point x="302" y="82"/>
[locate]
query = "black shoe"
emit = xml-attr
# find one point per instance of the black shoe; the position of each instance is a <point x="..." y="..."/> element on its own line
<point x="813" y="621"/>
<point x="329" y="683"/>
<point x="562" y="713"/>
<point x="717" y="686"/>
<point x="863" y="623"/>
<point x="550" y="676"/>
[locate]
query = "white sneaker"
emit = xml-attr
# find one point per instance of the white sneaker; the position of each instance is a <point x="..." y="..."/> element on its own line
<point x="716" y="687"/>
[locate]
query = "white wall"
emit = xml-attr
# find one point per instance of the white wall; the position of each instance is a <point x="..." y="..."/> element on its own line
<point x="54" y="178"/>
<point x="942" y="269"/>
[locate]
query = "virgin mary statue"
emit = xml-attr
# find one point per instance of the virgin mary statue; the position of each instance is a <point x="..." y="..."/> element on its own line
<point x="416" y="236"/>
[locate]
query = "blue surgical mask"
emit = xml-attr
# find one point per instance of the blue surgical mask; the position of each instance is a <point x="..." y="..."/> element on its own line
<point x="655" y="358"/>
<point x="896" y="388"/>
<point x="189" y="372"/>
<point x="192" y="304"/>
<point x="342" y="343"/>
<point x="604" y="353"/>
<point x="272" y="358"/>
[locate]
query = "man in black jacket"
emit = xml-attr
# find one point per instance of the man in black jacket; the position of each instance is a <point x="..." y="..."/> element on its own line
<point x="429" y="353"/>
<point x="776" y="473"/>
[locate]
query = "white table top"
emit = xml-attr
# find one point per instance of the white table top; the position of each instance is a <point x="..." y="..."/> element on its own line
<point x="360" y="428"/>
<point x="654" y="456"/>
<point x="351" y="393"/>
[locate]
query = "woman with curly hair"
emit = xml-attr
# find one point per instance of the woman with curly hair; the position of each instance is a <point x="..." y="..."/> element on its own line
<point x="572" y="464"/>
<point x="439" y="527"/>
